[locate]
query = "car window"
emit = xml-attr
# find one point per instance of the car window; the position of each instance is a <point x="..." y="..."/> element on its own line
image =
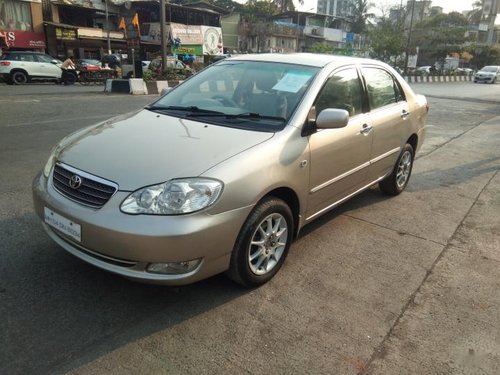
<point x="381" y="87"/>
<point x="343" y="91"/>
<point x="44" y="58"/>
<point x="22" y="57"/>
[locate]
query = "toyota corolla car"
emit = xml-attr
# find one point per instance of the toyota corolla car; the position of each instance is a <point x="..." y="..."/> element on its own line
<point x="222" y="172"/>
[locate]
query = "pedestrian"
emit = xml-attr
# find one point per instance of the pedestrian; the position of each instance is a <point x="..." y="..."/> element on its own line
<point x="68" y="68"/>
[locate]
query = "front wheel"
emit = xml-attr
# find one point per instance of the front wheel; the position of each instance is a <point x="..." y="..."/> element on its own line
<point x="396" y="182"/>
<point x="262" y="244"/>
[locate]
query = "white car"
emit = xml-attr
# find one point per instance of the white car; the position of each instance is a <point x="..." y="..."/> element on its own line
<point x="488" y="74"/>
<point x="19" y="67"/>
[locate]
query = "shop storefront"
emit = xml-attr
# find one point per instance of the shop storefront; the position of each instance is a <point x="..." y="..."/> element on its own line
<point x="82" y="42"/>
<point x="21" y="25"/>
<point x="22" y="40"/>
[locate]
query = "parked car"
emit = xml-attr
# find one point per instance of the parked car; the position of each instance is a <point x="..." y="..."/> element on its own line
<point x="156" y="63"/>
<point x="229" y="166"/>
<point x="488" y="74"/>
<point x="423" y="70"/>
<point x="19" y="67"/>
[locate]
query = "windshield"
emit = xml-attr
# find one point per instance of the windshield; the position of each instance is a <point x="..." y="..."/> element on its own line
<point x="490" y="69"/>
<point x="246" y="94"/>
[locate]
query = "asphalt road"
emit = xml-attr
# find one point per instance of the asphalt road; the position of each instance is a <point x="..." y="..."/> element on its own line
<point x="407" y="285"/>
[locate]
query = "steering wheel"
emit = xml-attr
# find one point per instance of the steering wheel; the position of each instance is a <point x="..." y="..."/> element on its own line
<point x="228" y="102"/>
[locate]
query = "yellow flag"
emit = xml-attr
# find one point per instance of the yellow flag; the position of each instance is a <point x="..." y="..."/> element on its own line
<point x="122" y="26"/>
<point x="135" y="20"/>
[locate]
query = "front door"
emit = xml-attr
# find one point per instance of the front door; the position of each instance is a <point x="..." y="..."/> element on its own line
<point x="339" y="157"/>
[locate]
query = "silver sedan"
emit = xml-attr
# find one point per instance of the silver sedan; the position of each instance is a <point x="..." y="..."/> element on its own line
<point x="222" y="172"/>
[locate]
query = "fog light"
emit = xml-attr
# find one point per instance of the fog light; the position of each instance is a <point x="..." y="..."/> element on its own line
<point x="176" y="268"/>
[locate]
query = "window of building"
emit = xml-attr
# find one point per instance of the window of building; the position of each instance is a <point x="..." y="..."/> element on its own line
<point x="15" y="15"/>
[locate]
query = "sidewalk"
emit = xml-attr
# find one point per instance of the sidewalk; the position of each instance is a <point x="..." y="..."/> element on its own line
<point x="452" y="323"/>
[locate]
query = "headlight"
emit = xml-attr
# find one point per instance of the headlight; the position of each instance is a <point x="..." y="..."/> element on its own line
<point x="52" y="159"/>
<point x="174" y="197"/>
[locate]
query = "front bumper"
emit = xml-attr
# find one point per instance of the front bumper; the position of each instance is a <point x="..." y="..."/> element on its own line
<point x="126" y="244"/>
<point x="487" y="79"/>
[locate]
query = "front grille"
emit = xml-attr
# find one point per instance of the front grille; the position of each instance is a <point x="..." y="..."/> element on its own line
<point x="93" y="191"/>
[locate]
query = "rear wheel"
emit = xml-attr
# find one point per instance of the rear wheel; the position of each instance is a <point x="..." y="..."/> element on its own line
<point x="19" y="77"/>
<point x="396" y="182"/>
<point x="262" y="244"/>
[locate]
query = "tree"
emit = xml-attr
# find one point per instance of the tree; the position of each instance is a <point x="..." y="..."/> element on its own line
<point x="360" y="16"/>
<point x="387" y="41"/>
<point x="438" y="36"/>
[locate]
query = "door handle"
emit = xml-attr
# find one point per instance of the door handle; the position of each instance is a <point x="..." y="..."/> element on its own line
<point x="404" y="114"/>
<point x="366" y="129"/>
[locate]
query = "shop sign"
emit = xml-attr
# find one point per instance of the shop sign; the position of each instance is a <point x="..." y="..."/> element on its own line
<point x="188" y="34"/>
<point x="212" y="40"/>
<point x="65" y="34"/>
<point x="196" y="50"/>
<point x="23" y="39"/>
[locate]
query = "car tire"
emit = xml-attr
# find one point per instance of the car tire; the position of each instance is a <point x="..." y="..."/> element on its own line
<point x="19" y="77"/>
<point x="262" y="244"/>
<point x="397" y="181"/>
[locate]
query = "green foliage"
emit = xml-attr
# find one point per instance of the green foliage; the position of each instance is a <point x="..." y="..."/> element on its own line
<point x="387" y="41"/>
<point x="148" y="75"/>
<point x="170" y="74"/>
<point x="256" y="9"/>
<point x="320" y="48"/>
<point x="440" y="35"/>
<point x="360" y="15"/>
<point x="484" y="55"/>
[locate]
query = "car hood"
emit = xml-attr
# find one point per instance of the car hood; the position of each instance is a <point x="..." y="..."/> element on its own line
<point x="146" y="148"/>
<point x="486" y="73"/>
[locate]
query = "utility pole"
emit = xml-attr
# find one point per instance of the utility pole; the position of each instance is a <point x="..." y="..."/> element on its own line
<point x="409" y="36"/>
<point x="163" y="35"/>
<point x="107" y="26"/>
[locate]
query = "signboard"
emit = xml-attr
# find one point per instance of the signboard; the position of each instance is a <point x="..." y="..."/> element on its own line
<point x="65" y="34"/>
<point x="23" y="39"/>
<point x="212" y="40"/>
<point x="195" y="50"/>
<point x="188" y="34"/>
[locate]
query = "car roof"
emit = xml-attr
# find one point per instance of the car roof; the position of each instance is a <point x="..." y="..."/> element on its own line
<point x="311" y="59"/>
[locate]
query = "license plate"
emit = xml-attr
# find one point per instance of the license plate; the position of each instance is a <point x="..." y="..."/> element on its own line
<point x="63" y="225"/>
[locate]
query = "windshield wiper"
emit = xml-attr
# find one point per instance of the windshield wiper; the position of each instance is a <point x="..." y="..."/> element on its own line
<point x="258" y="116"/>
<point x="246" y="115"/>
<point x="193" y="109"/>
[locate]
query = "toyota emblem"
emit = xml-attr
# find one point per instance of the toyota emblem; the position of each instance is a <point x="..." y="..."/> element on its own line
<point x="75" y="181"/>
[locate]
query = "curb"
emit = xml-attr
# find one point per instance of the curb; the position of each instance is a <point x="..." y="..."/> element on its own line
<point x="136" y="86"/>
<point x="425" y="79"/>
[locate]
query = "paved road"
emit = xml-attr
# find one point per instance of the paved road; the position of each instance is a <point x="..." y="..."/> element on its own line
<point x="380" y="286"/>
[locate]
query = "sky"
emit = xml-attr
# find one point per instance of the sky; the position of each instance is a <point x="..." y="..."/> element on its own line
<point x="448" y="5"/>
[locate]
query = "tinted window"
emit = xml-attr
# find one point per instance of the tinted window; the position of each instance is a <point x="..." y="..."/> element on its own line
<point x="381" y="87"/>
<point x="22" y="57"/>
<point x="342" y="91"/>
<point x="44" y="58"/>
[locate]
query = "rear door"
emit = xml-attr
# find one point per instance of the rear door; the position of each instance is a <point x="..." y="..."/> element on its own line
<point x="389" y="113"/>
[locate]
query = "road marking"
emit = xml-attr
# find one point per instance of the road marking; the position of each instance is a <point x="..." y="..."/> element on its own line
<point x="20" y="101"/>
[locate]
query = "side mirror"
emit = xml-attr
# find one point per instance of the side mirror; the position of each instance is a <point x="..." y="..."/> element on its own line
<point x="55" y="62"/>
<point x="332" y="119"/>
